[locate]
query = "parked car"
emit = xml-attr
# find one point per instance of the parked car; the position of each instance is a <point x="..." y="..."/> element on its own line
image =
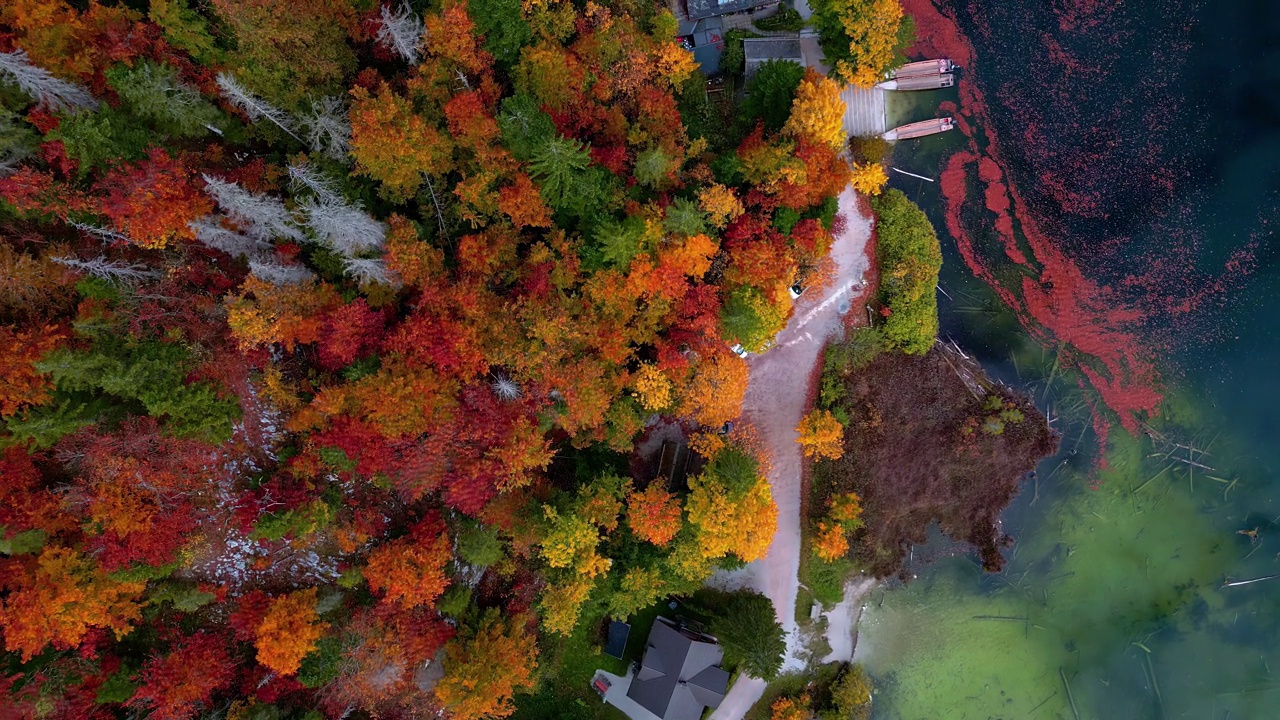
<point x="796" y="290"/>
<point x="739" y="350"/>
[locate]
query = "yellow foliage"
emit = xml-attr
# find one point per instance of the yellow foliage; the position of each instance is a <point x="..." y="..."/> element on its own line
<point x="821" y="435"/>
<point x="744" y="528"/>
<point x="720" y="204"/>
<point x="674" y="63"/>
<point x="817" y="113"/>
<point x="571" y="542"/>
<point x="652" y="387"/>
<point x="686" y="560"/>
<point x="869" y="178"/>
<point x="872" y="29"/>
<point x="562" y="604"/>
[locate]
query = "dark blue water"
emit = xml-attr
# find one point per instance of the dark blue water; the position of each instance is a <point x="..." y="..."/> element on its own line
<point x="1155" y="162"/>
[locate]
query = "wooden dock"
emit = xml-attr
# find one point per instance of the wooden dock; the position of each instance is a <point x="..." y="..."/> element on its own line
<point x="919" y="82"/>
<point x="864" y="111"/>
<point x="940" y="66"/>
<point x="920" y="129"/>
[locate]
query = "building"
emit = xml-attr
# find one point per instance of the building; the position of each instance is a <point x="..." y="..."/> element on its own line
<point x="680" y="674"/>
<point x="761" y="50"/>
<point x="701" y="9"/>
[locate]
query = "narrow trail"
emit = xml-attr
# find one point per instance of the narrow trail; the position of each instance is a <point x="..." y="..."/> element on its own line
<point x="774" y="405"/>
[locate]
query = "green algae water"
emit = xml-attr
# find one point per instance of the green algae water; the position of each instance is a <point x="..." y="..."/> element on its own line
<point x="1140" y="583"/>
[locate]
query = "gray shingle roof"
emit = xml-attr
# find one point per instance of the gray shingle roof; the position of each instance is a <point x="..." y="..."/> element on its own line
<point x="679" y="673"/>
<point x="699" y="9"/>
<point x="761" y="50"/>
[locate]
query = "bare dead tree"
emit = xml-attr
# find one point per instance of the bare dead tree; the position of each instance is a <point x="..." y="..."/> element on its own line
<point x="327" y="128"/>
<point x="253" y="106"/>
<point x="262" y="216"/>
<point x="401" y="31"/>
<point x="50" y="92"/>
<point x="111" y="270"/>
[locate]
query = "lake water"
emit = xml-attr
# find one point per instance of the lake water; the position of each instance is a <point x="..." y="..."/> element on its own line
<point x="1107" y="219"/>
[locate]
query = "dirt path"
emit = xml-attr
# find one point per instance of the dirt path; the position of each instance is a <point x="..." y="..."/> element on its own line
<point x="774" y="405"/>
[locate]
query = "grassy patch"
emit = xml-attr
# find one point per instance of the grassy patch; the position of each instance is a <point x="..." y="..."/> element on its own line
<point x="567" y="665"/>
<point x="825" y="579"/>
<point x="804" y="601"/>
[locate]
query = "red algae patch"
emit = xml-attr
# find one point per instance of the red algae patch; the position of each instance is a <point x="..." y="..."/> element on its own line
<point x="1049" y="293"/>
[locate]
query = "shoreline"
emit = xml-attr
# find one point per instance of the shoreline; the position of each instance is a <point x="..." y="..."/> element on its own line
<point x="776" y="400"/>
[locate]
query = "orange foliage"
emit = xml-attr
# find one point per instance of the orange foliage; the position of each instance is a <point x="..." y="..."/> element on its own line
<point x="288" y="631"/>
<point x="57" y="598"/>
<point x="416" y="262"/>
<point x="522" y="202"/>
<point x="715" y="391"/>
<point x="410" y="571"/>
<point x="453" y="38"/>
<point x="653" y="514"/>
<point x="285" y="314"/>
<point x="692" y="257"/>
<point x="63" y="40"/>
<point x="830" y="542"/>
<point x="821" y="435"/>
<point x="485" y="668"/>
<point x="786" y="708"/>
<point x="20" y="383"/>
<point x="153" y="201"/>
<point x="394" y="145"/>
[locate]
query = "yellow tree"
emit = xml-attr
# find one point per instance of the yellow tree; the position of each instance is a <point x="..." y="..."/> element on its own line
<point x="393" y="145"/>
<point x="288" y="631"/>
<point x="869" y="178"/>
<point x="720" y="204"/>
<point x="821" y="435"/>
<point x="859" y="37"/>
<point x="743" y="527"/>
<point x="484" y="668"/>
<point x="653" y="389"/>
<point x="817" y="113"/>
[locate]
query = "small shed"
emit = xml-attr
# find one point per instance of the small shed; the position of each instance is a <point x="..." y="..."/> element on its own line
<point x="616" y="645"/>
<point x="761" y="50"/>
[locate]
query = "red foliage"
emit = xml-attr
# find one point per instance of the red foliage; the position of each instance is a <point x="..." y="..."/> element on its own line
<point x="153" y="201"/>
<point x="24" y="503"/>
<point x="350" y="331"/>
<point x="179" y="684"/>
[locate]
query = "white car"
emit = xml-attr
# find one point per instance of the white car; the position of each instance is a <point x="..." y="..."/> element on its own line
<point x="739" y="350"/>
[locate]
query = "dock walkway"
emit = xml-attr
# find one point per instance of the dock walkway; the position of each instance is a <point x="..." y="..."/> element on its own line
<point x="864" y="113"/>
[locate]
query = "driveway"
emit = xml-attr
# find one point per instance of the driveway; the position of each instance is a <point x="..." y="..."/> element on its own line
<point x="774" y="404"/>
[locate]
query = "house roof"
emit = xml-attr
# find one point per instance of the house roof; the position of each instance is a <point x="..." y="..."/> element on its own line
<point x="679" y="674"/>
<point x="699" y="9"/>
<point x="761" y="50"/>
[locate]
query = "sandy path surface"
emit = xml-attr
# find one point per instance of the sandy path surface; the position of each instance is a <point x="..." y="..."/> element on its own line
<point x="843" y="618"/>
<point x="774" y="405"/>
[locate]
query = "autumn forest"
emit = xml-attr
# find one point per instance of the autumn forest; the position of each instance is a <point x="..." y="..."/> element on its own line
<point x="329" y="327"/>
